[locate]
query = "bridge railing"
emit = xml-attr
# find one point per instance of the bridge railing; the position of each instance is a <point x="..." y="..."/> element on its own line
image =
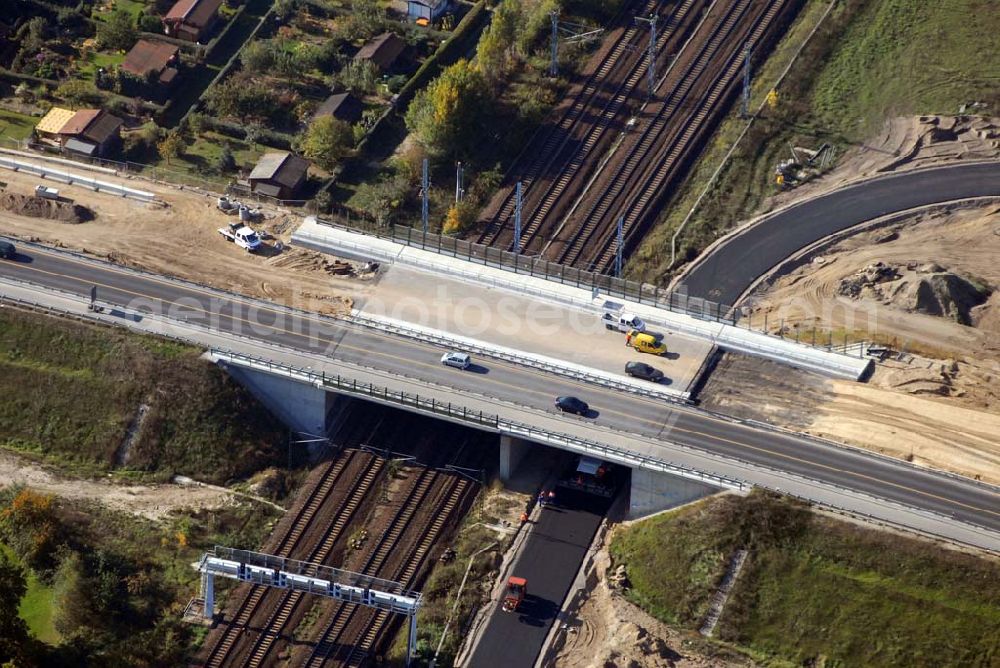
<point x="493" y="422"/>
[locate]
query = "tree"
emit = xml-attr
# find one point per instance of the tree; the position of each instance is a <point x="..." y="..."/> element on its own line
<point x="171" y="146"/>
<point x="243" y="98"/>
<point x="497" y="45"/>
<point x="117" y="32"/>
<point x="449" y="115"/>
<point x="13" y="630"/>
<point x="78" y="92"/>
<point x="359" y="76"/>
<point x="367" y="18"/>
<point x="257" y="56"/>
<point x="226" y="161"/>
<point x="326" y="141"/>
<point x="31" y="528"/>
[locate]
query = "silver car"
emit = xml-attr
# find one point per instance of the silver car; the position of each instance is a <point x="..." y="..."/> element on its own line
<point x="457" y="360"/>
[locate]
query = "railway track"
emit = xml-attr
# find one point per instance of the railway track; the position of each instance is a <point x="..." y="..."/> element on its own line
<point x="668" y="168"/>
<point x="336" y="473"/>
<point x="353" y="632"/>
<point x="587" y="113"/>
<point x="689" y="82"/>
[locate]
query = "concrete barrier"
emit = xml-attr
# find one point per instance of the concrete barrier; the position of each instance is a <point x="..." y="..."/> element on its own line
<point x="70" y="178"/>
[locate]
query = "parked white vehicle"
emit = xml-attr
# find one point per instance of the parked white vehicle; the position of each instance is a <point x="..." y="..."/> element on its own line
<point x="616" y="317"/>
<point x="241" y="235"/>
<point x="46" y="192"/>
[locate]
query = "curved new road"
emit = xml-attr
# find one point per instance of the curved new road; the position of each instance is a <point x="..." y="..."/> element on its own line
<point x="727" y="271"/>
<point x="655" y="421"/>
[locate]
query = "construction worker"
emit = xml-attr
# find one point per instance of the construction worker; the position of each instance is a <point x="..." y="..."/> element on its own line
<point x="628" y="339"/>
<point x="524" y="518"/>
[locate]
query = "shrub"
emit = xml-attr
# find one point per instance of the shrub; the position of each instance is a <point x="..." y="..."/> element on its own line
<point x="117" y="32"/>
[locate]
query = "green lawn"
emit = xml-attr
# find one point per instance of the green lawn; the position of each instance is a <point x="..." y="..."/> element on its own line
<point x="86" y="69"/>
<point x="815" y="591"/>
<point x="16" y="126"/>
<point x="910" y="57"/>
<point x="37" y="605"/>
<point x="133" y="7"/>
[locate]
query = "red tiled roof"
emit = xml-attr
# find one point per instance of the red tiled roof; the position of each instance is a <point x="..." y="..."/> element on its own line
<point x="383" y="50"/>
<point x="197" y="13"/>
<point x="148" y="56"/>
<point x="79" y="122"/>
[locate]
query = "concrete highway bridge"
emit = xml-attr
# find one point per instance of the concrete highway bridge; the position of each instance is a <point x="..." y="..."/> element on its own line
<point x="302" y="363"/>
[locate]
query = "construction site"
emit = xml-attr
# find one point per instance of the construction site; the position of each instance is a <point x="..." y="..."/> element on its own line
<point x="389" y="496"/>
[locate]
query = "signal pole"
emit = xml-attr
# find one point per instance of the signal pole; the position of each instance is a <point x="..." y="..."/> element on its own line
<point x="554" y="65"/>
<point x="618" y="251"/>
<point x="650" y="52"/>
<point x="746" y="80"/>
<point x="424" y="187"/>
<point x="517" y="220"/>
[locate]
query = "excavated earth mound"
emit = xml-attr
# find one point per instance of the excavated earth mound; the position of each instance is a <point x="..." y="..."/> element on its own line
<point x="926" y="288"/>
<point x="40" y="207"/>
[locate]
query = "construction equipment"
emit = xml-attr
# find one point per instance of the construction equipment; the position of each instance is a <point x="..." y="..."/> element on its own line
<point x="517" y="589"/>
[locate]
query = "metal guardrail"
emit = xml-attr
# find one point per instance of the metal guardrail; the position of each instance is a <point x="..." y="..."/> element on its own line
<point x="604" y="380"/>
<point x="600" y="450"/>
<point x="75" y="179"/>
<point x="310" y="314"/>
<point x="494" y="423"/>
<point x="479" y="418"/>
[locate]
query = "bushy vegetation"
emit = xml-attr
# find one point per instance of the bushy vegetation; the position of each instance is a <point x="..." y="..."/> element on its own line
<point x="813" y="589"/>
<point x="867" y="62"/>
<point x="117" y="583"/>
<point x="69" y="392"/>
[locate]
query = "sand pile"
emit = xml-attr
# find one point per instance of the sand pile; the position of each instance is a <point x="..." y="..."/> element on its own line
<point x="920" y="288"/>
<point x="41" y="207"/>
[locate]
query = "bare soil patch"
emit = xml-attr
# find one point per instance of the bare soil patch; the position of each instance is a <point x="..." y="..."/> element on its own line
<point x="179" y="238"/>
<point x="154" y="502"/>
<point x="611" y="631"/>
<point x="41" y="207"/>
<point x="936" y="400"/>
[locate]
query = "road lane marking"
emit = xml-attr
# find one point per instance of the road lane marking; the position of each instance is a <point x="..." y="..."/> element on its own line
<point x="518" y="388"/>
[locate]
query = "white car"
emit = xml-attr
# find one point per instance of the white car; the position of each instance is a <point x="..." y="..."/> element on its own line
<point x="457" y="360"/>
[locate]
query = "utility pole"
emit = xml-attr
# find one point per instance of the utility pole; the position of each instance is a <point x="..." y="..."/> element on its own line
<point x="458" y="183"/>
<point x="517" y="220"/>
<point x="554" y="65"/>
<point x="621" y="243"/>
<point x="650" y="52"/>
<point x="424" y="187"/>
<point x="746" y="80"/>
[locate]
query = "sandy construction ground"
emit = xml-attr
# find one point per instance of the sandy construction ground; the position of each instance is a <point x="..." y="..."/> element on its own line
<point x="180" y="238"/>
<point x="905" y="143"/>
<point x="151" y="501"/>
<point x="610" y="631"/>
<point x="939" y="403"/>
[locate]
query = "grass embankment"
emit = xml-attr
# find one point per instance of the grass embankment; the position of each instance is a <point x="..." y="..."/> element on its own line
<point x="867" y="62"/>
<point x="70" y="391"/>
<point x="815" y="591"/>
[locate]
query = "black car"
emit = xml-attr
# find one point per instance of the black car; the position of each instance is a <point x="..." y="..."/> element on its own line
<point x="644" y="371"/>
<point x="7" y="250"/>
<point x="572" y="405"/>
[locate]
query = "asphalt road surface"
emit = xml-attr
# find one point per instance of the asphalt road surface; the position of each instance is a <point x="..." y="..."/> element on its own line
<point x="887" y="479"/>
<point x="549" y="561"/>
<point x="728" y="271"/>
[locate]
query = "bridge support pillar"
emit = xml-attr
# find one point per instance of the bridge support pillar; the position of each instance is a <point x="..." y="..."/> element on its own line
<point x="512" y="451"/>
<point x="654" y="492"/>
<point x="209" y="611"/>
<point x="300" y="406"/>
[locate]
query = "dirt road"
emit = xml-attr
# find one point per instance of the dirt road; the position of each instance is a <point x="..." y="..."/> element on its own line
<point x="154" y="502"/>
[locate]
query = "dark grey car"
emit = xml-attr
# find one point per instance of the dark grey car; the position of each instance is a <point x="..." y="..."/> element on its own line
<point x="644" y="371"/>
<point x="572" y="405"/>
<point x="7" y="250"/>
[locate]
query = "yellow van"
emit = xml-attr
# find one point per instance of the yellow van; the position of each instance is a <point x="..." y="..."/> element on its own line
<point x="646" y="343"/>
